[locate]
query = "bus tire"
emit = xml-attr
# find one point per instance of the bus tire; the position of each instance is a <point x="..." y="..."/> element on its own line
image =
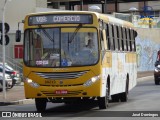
<point x="124" y="95"/>
<point x="40" y="104"/>
<point x="115" y="98"/>
<point x="103" y="101"/>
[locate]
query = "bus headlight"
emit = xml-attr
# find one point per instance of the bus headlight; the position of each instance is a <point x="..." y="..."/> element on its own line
<point x="91" y="81"/>
<point x="32" y="83"/>
<point x="156" y="70"/>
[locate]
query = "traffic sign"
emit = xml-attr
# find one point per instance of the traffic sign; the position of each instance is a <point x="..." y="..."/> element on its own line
<point x="7" y="28"/>
<point x="6" y="39"/>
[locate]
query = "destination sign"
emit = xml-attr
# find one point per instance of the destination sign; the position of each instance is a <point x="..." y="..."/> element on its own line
<point x="60" y="19"/>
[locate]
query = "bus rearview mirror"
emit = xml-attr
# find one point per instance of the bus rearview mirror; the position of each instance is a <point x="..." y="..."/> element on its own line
<point x="18" y="36"/>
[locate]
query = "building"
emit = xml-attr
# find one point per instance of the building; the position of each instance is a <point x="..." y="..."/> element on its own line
<point x="15" y="12"/>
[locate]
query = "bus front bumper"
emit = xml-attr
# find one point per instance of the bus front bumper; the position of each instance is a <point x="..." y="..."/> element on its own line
<point x="62" y="91"/>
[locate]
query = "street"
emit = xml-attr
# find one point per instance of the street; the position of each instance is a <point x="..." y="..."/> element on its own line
<point x="144" y="97"/>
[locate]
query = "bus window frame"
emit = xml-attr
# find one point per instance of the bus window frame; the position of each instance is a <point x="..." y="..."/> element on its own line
<point x="134" y="41"/>
<point x="30" y="28"/>
<point x="130" y="40"/>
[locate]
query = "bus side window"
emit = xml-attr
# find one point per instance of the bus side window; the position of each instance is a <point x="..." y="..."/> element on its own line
<point x="124" y="39"/>
<point x="102" y="40"/>
<point x="132" y="40"/>
<point x="115" y="37"/>
<point x="111" y="35"/>
<point x="128" y="39"/>
<point x="108" y="38"/>
<point x="134" y="36"/>
<point x="119" y="37"/>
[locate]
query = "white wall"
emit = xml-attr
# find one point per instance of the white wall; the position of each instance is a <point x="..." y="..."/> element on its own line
<point x="16" y="10"/>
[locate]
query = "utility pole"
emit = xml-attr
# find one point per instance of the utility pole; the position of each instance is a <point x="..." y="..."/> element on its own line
<point x="3" y="48"/>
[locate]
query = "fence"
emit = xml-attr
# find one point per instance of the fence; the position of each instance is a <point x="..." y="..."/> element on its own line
<point x="16" y="65"/>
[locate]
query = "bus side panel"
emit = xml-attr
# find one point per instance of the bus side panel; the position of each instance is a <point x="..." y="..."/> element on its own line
<point x="117" y="65"/>
<point x="131" y="61"/>
<point x="118" y="76"/>
<point x="106" y="70"/>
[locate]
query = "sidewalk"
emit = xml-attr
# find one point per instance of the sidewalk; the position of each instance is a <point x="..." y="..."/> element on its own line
<point x="16" y="94"/>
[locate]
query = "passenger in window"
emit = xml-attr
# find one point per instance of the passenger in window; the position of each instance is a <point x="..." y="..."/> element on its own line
<point x="89" y="40"/>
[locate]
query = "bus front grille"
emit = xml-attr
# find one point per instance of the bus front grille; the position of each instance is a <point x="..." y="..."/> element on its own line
<point x="61" y="85"/>
<point x="69" y="93"/>
<point x="61" y="75"/>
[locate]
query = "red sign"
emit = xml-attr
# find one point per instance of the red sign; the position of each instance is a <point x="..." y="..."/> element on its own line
<point x="18" y="51"/>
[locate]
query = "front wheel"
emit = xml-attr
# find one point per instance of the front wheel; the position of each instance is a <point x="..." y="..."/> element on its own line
<point x="103" y="101"/>
<point x="41" y="104"/>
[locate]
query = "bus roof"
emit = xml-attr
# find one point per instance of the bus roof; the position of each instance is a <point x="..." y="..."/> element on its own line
<point x="105" y="17"/>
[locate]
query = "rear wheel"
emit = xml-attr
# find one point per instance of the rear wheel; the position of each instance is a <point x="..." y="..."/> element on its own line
<point x="124" y="95"/>
<point x="40" y="104"/>
<point x="115" y="98"/>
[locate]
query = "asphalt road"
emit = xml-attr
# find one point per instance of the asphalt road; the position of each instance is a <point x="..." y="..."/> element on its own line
<point x="144" y="97"/>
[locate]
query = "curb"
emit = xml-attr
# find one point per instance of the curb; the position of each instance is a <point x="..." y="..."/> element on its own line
<point x="145" y="78"/>
<point x="18" y="102"/>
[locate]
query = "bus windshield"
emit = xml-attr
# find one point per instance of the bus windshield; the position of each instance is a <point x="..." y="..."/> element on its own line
<point x="61" y="47"/>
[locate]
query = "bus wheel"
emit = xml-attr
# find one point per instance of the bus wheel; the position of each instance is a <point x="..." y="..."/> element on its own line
<point x="40" y="104"/>
<point x="124" y="95"/>
<point x="115" y="98"/>
<point x="103" y="101"/>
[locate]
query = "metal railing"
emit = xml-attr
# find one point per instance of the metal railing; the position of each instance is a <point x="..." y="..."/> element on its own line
<point x="16" y="65"/>
<point x="141" y="19"/>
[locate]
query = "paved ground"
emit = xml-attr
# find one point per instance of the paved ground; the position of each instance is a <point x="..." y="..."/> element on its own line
<point x="16" y="94"/>
<point x="144" y="74"/>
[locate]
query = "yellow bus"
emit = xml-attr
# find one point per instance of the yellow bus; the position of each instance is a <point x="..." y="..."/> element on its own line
<point x="78" y="55"/>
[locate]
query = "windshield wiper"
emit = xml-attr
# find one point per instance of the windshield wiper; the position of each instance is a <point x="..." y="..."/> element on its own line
<point x="75" y="33"/>
<point x="46" y="34"/>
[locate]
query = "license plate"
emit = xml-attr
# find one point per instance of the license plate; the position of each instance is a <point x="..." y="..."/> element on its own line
<point x="61" y="91"/>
